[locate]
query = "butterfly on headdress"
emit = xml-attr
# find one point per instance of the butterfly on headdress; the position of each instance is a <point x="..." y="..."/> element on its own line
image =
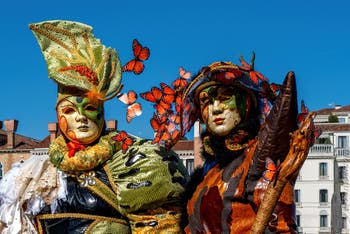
<point x="124" y="139"/>
<point x="134" y="109"/>
<point x="140" y="54"/>
<point x="254" y="75"/>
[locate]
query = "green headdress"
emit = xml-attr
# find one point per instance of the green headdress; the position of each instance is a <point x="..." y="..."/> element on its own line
<point x="77" y="61"/>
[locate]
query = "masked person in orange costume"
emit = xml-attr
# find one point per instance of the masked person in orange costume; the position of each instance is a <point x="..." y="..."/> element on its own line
<point x="245" y="147"/>
<point x="93" y="181"/>
<point x="252" y="153"/>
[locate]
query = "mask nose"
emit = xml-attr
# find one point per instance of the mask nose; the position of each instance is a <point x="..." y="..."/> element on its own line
<point x="81" y="118"/>
<point x="217" y="107"/>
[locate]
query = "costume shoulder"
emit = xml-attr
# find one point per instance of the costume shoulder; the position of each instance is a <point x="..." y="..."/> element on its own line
<point x="30" y="184"/>
<point x="145" y="176"/>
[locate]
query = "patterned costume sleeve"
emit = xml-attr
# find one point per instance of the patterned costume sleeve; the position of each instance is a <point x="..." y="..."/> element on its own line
<point x="147" y="180"/>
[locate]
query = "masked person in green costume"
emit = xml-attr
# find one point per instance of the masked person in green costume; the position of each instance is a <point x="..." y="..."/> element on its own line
<point x="92" y="181"/>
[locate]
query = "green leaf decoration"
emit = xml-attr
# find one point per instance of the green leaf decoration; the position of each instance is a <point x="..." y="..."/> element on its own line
<point x="75" y="58"/>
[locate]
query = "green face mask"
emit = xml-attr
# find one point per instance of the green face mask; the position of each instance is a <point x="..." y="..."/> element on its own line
<point x="80" y="119"/>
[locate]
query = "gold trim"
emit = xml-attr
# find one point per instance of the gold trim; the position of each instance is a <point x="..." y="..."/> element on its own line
<point x="96" y="218"/>
<point x="91" y="226"/>
<point x="110" y="178"/>
<point x="104" y="192"/>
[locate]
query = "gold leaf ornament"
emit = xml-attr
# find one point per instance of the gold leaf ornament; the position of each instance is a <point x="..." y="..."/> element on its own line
<point x="75" y="58"/>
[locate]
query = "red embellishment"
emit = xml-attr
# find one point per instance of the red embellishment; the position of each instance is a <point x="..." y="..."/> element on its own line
<point x="83" y="71"/>
<point x="73" y="148"/>
<point x="125" y="139"/>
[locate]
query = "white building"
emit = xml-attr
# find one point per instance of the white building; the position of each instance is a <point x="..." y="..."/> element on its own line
<point x="322" y="188"/>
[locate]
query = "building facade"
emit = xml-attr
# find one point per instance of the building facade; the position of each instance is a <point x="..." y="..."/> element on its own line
<point x="322" y="189"/>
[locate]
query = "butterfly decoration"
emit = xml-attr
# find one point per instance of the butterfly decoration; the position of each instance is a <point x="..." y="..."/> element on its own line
<point x="271" y="170"/>
<point x="140" y="54"/>
<point x="181" y="82"/>
<point x="162" y="98"/>
<point x="168" y="105"/>
<point x="134" y="109"/>
<point x="270" y="91"/>
<point x="228" y="77"/>
<point x="304" y="112"/>
<point x="125" y="139"/>
<point x="254" y="75"/>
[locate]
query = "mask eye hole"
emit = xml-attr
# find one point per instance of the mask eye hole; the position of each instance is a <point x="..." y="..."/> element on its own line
<point x="68" y="110"/>
<point x="203" y="98"/>
<point x="90" y="108"/>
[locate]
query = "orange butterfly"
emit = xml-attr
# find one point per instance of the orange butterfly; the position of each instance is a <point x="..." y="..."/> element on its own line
<point x="181" y="82"/>
<point x="134" y="109"/>
<point x="141" y="54"/>
<point x="125" y="139"/>
<point x="271" y="170"/>
<point x="152" y="96"/>
<point x="228" y="77"/>
<point x="304" y="112"/>
<point x="168" y="93"/>
<point x="254" y="75"/>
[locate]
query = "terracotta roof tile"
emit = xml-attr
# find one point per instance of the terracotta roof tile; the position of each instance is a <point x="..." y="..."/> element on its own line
<point x="336" y="127"/>
<point x="327" y="111"/>
<point x="21" y="142"/>
<point x="183" y="145"/>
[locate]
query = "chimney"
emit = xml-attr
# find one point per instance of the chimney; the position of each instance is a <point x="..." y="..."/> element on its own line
<point x="197" y="144"/>
<point x="111" y="125"/>
<point x="52" y="127"/>
<point x="11" y="128"/>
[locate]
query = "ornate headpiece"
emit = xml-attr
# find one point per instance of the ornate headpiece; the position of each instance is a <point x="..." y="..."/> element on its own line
<point x="170" y="123"/>
<point x="81" y="65"/>
<point x="77" y="61"/>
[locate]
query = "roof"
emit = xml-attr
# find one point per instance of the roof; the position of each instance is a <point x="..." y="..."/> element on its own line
<point x="183" y="145"/>
<point x="44" y="143"/>
<point x="333" y="127"/>
<point x="22" y="142"/>
<point x="328" y="111"/>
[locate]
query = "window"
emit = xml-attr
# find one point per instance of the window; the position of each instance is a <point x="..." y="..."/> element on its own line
<point x="297" y="220"/>
<point x="323" y="169"/>
<point x="0" y="171"/>
<point x="190" y="166"/>
<point x="342" y="172"/>
<point x="342" y="141"/>
<point x="323" y="220"/>
<point x="297" y="195"/>
<point x="343" y="223"/>
<point x="323" y="195"/>
<point x="343" y="198"/>
<point x="341" y="119"/>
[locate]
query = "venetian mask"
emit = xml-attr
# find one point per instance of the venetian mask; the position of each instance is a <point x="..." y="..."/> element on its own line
<point x="80" y="119"/>
<point x="219" y="109"/>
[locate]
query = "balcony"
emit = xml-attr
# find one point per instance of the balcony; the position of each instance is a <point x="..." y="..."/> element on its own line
<point x="329" y="150"/>
<point x="322" y="150"/>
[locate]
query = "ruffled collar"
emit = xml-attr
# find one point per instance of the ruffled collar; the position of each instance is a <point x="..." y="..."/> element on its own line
<point x="74" y="159"/>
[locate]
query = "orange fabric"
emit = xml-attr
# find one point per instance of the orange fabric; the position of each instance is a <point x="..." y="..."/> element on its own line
<point x="219" y="204"/>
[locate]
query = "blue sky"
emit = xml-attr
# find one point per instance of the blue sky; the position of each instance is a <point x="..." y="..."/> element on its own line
<point x="312" y="38"/>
